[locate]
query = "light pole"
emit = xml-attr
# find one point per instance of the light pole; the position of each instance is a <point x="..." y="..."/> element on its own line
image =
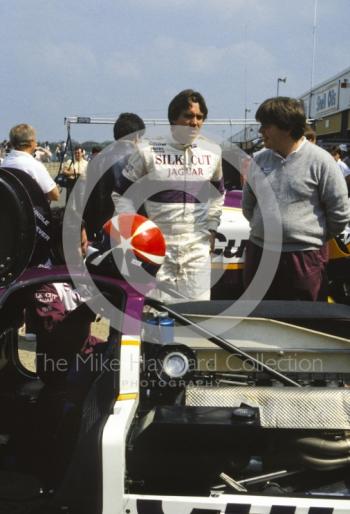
<point x="245" y="124"/>
<point x="278" y="84"/>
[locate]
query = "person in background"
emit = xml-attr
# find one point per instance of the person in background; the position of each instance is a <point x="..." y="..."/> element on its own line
<point x="337" y="155"/>
<point x="60" y="151"/>
<point x="311" y="203"/>
<point x="181" y="181"/>
<point x="75" y="169"/>
<point x="346" y="154"/>
<point x="104" y="171"/>
<point x="23" y="142"/>
<point x="43" y="153"/>
<point x="95" y="150"/>
<point x="3" y="150"/>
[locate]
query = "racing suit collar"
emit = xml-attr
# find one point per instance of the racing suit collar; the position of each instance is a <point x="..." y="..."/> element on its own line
<point x="180" y="146"/>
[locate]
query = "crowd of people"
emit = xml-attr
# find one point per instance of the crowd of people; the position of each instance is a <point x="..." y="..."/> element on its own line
<point x="48" y="152"/>
<point x="178" y="183"/>
<point x="295" y="198"/>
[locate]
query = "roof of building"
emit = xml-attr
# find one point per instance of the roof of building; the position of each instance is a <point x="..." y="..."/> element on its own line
<point x="325" y="82"/>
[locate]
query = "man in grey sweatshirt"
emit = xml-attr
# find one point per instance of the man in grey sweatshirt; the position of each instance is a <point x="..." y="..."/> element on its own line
<point x="295" y="199"/>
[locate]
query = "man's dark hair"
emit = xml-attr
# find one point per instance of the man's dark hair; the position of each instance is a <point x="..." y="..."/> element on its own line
<point x="284" y="112"/>
<point x="182" y="101"/>
<point x="78" y="147"/>
<point x="128" y="123"/>
<point x="336" y="150"/>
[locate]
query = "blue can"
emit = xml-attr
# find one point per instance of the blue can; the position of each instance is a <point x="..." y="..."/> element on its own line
<point x="166" y="330"/>
<point x="159" y="329"/>
<point x="152" y="334"/>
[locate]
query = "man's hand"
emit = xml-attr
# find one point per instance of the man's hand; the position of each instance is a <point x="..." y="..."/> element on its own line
<point x="68" y="171"/>
<point x="212" y="239"/>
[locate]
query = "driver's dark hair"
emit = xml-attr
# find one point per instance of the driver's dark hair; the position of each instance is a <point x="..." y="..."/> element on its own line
<point x="284" y="112"/>
<point x="128" y="123"/>
<point x="182" y="101"/>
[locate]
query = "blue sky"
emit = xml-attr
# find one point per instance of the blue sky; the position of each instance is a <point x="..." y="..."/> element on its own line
<point x="85" y="57"/>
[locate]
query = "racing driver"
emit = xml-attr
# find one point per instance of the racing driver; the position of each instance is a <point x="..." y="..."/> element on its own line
<point x="180" y="181"/>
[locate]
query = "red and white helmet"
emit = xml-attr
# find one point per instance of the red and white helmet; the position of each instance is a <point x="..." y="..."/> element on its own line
<point x="131" y="244"/>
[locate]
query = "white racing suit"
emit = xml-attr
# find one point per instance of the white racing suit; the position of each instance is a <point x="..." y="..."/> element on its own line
<point x="182" y="190"/>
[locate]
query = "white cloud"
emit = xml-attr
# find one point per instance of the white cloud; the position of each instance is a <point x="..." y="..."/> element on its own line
<point x="209" y="59"/>
<point x="71" y="60"/>
<point x="121" y="65"/>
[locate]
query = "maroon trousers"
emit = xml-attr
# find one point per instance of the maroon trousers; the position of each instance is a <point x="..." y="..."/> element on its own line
<point x="299" y="275"/>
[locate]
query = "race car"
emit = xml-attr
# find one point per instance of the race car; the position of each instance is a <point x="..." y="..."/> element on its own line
<point x="204" y="407"/>
<point x="229" y="252"/>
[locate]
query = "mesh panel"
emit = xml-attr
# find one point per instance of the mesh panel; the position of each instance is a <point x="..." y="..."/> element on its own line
<point x="281" y="407"/>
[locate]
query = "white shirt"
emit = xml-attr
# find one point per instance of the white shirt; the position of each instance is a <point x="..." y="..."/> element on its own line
<point x="42" y="154"/>
<point x="345" y="169"/>
<point x="289" y="156"/>
<point x="25" y="162"/>
<point x="78" y="166"/>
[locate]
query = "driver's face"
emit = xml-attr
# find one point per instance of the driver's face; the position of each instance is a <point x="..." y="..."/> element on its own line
<point x="191" y="117"/>
<point x="188" y="124"/>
